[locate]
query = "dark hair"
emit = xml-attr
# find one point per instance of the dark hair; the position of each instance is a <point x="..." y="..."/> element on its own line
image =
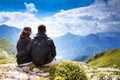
<point x="25" y="33"/>
<point x="42" y="28"/>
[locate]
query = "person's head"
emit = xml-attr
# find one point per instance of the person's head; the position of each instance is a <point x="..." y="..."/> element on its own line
<point x="26" y="32"/>
<point x="42" y="28"/>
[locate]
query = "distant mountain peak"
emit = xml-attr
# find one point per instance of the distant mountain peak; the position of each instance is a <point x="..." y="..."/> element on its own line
<point x="70" y="34"/>
<point x="10" y="32"/>
<point x="7" y="26"/>
<point x="77" y="46"/>
<point x="3" y="25"/>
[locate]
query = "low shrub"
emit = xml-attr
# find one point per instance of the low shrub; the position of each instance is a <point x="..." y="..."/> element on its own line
<point x="70" y="71"/>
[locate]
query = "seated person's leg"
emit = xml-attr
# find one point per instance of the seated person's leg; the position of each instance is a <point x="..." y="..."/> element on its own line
<point x="55" y="61"/>
<point x="24" y="64"/>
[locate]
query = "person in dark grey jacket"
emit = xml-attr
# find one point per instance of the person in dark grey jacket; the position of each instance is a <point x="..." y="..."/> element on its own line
<point x="23" y="55"/>
<point x="46" y="53"/>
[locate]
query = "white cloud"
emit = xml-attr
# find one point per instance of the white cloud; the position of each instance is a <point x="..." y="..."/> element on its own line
<point x="115" y="6"/>
<point x="98" y="17"/>
<point x="30" y="7"/>
<point x="19" y="19"/>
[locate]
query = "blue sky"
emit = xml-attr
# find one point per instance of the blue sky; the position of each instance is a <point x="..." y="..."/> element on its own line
<point x="44" y="7"/>
<point x="81" y="17"/>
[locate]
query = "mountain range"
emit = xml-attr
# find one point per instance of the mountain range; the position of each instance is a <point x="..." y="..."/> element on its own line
<point x="71" y="46"/>
<point x="79" y="48"/>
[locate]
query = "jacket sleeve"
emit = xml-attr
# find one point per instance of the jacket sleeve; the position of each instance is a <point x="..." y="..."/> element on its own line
<point x="29" y="47"/>
<point x="21" y="54"/>
<point x="53" y="48"/>
<point x="20" y="48"/>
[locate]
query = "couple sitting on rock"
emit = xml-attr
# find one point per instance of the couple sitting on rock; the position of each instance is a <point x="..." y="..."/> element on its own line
<point x="39" y="51"/>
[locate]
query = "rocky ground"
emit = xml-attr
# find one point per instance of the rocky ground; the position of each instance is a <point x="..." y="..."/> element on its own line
<point x="94" y="73"/>
<point x="12" y="72"/>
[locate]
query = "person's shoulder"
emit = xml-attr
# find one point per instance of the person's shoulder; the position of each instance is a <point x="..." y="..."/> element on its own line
<point x="21" y="40"/>
<point x="32" y="40"/>
<point x="50" y="39"/>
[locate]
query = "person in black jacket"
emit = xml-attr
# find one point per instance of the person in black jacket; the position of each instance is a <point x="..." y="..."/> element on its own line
<point x="42" y="34"/>
<point x="43" y="50"/>
<point x="51" y="59"/>
<point x="23" y="56"/>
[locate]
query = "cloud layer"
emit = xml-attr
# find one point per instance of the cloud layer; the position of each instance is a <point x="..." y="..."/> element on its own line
<point x="98" y="17"/>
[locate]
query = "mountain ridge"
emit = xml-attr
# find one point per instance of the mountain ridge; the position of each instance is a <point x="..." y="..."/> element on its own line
<point x="72" y="46"/>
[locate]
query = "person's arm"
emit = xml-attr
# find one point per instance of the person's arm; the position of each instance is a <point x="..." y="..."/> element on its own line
<point x="20" y="48"/>
<point x="20" y="54"/>
<point x="29" y="47"/>
<point x="27" y="50"/>
<point x="53" y="48"/>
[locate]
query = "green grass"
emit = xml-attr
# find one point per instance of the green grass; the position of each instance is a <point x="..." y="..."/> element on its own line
<point x="108" y="58"/>
<point x="2" y="54"/>
<point x="5" y="51"/>
<point x="6" y="57"/>
<point x="6" y="45"/>
<point x="4" y="61"/>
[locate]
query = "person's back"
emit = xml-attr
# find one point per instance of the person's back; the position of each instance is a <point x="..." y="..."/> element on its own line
<point x="43" y="48"/>
<point x="24" y="40"/>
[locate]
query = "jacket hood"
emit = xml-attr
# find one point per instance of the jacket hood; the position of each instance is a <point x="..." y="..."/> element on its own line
<point x="41" y="35"/>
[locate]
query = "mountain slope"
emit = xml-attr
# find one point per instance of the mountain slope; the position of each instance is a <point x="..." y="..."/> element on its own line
<point x="6" y="57"/>
<point x="72" y="46"/>
<point x="2" y="54"/>
<point x="67" y="44"/>
<point x="108" y="58"/>
<point x="9" y="32"/>
<point x="6" y="45"/>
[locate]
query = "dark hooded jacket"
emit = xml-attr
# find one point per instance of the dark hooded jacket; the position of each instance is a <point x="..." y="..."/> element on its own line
<point x="50" y="41"/>
<point x="23" y="55"/>
<point x="48" y="58"/>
